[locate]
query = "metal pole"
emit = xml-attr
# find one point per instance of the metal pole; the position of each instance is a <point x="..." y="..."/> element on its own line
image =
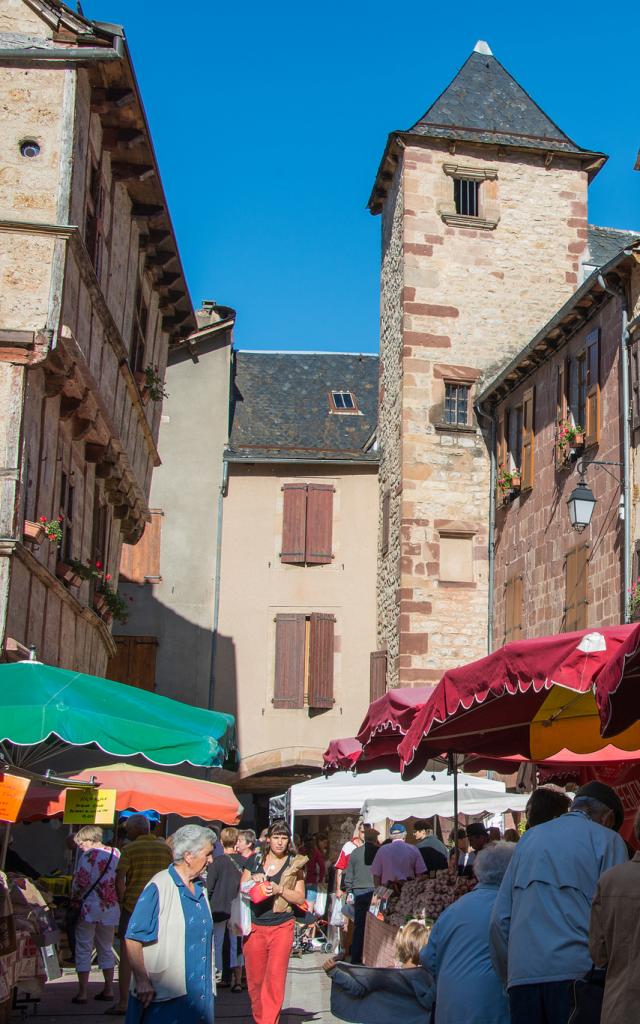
<point x="453" y="770"/>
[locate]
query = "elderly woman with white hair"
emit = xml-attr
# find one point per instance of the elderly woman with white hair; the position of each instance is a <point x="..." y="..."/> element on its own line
<point x="468" y="990"/>
<point x="170" y="938"/>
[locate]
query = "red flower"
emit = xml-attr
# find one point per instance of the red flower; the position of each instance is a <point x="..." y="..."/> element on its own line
<point x="98" y="565"/>
<point x="60" y="519"/>
<point x="43" y="519"/>
<point x="108" y="577"/>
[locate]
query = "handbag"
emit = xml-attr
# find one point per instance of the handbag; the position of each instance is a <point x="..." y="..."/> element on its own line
<point x="588" y="996"/>
<point x="74" y="910"/>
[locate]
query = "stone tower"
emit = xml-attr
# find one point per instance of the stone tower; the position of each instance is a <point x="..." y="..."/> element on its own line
<point x="484" y="226"/>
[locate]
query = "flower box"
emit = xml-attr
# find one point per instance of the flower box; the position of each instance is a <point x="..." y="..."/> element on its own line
<point x="101" y="608"/>
<point x="33" y="532"/>
<point x="68" y="574"/>
<point x="515" y="483"/>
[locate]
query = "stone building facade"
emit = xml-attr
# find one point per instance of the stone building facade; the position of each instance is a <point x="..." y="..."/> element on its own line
<point x="484" y="236"/>
<point x="91" y="294"/>
<point x="550" y="578"/>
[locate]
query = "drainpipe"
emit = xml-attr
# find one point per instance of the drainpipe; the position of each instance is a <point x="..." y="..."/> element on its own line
<point x="222" y="493"/>
<point x="626" y="439"/>
<point x="63" y="55"/>
<point x="490" y="416"/>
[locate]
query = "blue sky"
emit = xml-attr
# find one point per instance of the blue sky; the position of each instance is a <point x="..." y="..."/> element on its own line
<point x="269" y="121"/>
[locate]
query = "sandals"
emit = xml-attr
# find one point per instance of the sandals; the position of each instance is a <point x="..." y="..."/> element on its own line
<point x="102" y="998"/>
<point x="236" y="988"/>
<point x="78" y="1001"/>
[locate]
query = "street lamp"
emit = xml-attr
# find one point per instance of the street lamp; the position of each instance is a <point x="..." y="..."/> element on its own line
<point x="581" y="504"/>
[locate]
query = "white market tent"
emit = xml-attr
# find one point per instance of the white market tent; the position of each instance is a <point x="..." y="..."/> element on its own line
<point x="385" y="791"/>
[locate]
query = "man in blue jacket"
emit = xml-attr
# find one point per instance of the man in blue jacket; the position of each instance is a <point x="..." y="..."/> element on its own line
<point x="540" y="922"/>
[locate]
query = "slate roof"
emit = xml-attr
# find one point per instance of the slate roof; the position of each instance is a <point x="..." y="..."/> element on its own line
<point x="280" y="407"/>
<point x="605" y="243"/>
<point x="484" y="103"/>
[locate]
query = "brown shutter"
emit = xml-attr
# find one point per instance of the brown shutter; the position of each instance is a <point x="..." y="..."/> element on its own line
<point x="319" y="524"/>
<point x="134" y="662"/>
<point x="576" y="576"/>
<point x="635" y="385"/>
<point x="528" y="402"/>
<point x="140" y="563"/>
<point x="377" y="674"/>
<point x="592" y="413"/>
<point x="508" y="611"/>
<point x="321" y="647"/>
<point x="288" y="690"/>
<point x="294" y="519"/>
<point x="501" y="455"/>
<point x="386" y="503"/>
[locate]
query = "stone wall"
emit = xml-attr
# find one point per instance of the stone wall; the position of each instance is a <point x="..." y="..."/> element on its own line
<point x="471" y="297"/>
<point x="533" y="532"/>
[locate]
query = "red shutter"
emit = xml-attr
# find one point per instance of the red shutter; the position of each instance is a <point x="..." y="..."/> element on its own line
<point x="294" y="516"/>
<point x="319" y="524"/>
<point x="377" y="675"/>
<point x="321" y="660"/>
<point x="386" y="502"/>
<point x="288" y="691"/>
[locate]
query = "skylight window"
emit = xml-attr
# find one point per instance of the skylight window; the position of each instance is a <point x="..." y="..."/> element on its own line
<point x="342" y="402"/>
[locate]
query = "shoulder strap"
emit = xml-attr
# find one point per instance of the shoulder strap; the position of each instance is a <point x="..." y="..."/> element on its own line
<point x="99" y="878"/>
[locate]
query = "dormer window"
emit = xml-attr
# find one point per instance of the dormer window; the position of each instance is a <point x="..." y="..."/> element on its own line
<point x="343" y="402"/>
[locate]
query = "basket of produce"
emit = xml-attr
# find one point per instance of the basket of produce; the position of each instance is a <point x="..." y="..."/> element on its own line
<point x="425" y="898"/>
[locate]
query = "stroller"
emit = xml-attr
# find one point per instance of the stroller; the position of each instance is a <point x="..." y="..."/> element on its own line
<point x="311" y="933"/>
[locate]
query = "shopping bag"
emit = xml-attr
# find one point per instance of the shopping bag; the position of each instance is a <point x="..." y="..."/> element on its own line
<point x="240" y="917"/>
<point x="337" y="917"/>
<point x="320" y="904"/>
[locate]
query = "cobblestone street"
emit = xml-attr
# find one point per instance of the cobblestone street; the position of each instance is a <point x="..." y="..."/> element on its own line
<point x="307" y="999"/>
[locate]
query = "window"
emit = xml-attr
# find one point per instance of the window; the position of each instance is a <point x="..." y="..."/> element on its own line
<point x="377" y="675"/>
<point x="578" y="389"/>
<point x="456" y="404"/>
<point x="66" y="511"/>
<point x="343" y="402"/>
<point x="527" y="434"/>
<point x="513" y="609"/>
<point x="305" y="647"/>
<point x="514" y="444"/>
<point x="100" y="532"/>
<point x="456" y="558"/>
<point x="466" y="196"/>
<point x="137" y="359"/>
<point x="94" y="215"/>
<point x="576" y="569"/>
<point x="307" y="524"/>
<point x="134" y="662"/>
<point x="140" y="563"/>
<point x="591" y="421"/>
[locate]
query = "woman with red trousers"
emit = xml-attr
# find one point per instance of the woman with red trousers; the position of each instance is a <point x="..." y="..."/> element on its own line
<point x="268" y="947"/>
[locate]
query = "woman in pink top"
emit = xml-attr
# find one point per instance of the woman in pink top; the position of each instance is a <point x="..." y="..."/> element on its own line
<point x="94" y="889"/>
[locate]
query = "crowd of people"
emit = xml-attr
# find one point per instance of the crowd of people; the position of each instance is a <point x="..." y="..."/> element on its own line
<point x="546" y="936"/>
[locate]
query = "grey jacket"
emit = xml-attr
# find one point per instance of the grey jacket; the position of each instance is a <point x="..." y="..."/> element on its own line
<point x="377" y="995"/>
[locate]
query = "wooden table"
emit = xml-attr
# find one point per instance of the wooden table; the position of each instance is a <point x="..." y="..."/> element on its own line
<point x="379" y="943"/>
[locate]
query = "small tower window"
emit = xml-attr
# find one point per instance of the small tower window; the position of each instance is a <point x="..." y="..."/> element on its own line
<point x="342" y="402"/>
<point x="456" y="404"/>
<point x="466" y="196"/>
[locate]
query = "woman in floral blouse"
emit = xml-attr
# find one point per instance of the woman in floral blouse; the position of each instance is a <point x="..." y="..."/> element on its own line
<point x="94" y="888"/>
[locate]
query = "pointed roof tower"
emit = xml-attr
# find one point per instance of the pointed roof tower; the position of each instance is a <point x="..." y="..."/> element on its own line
<point x="485" y="105"/>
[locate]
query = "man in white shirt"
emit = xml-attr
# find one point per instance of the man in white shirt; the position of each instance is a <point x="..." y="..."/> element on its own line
<point x="539" y="936"/>
<point x="397" y="861"/>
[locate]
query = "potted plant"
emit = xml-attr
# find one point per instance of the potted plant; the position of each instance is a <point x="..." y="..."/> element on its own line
<point x="66" y="572"/>
<point x="49" y="528"/>
<point x="570" y="437"/>
<point x="509" y="483"/>
<point x="112" y="604"/>
<point x="100" y="605"/>
<point x="154" y="384"/>
<point x="86" y="571"/>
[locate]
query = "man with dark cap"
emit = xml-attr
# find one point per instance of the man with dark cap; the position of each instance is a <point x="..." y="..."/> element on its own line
<point x="478" y="837"/>
<point x="540" y="925"/>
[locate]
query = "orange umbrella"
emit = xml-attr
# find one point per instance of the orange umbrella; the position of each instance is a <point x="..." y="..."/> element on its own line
<point x="141" y="789"/>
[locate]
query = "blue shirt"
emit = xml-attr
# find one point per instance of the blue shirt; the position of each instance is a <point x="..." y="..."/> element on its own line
<point x="540" y="923"/>
<point x="468" y="990"/>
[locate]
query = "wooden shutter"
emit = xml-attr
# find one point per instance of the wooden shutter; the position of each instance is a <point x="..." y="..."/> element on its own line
<point x="386" y="504"/>
<point x="134" y="662"/>
<point x="501" y="455"/>
<point x="319" y="524"/>
<point x="576" y="568"/>
<point x="140" y="563"/>
<point x="592" y="411"/>
<point x="634" y="359"/>
<point x="294" y="520"/>
<point x="528" y="402"/>
<point x="288" y="690"/>
<point x="321" y="648"/>
<point x="377" y="674"/>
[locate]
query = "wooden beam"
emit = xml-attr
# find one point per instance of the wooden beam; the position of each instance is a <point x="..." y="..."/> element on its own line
<point x="122" y="171"/>
<point x="104" y="100"/>
<point x="95" y="454"/>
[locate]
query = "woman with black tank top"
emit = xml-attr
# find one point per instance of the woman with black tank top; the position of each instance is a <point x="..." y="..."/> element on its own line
<point x="268" y="947"/>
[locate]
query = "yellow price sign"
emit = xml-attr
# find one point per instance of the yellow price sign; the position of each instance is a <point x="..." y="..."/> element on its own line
<point x="89" y="806"/>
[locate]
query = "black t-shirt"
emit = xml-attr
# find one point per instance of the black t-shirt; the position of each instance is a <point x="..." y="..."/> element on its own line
<point x="263" y="913"/>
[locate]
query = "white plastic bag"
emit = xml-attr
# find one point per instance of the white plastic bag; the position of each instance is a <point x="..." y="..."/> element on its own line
<point x="240" y="918"/>
<point x="320" y="904"/>
<point x="337" y="917"/>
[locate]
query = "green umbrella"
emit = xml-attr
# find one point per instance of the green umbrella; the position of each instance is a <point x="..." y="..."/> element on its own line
<point x="43" y="708"/>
